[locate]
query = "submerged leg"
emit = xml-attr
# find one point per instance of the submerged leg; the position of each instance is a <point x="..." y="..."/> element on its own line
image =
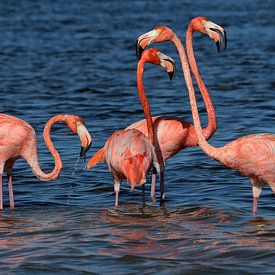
<point x="1" y="190"/>
<point x="256" y="189"/>
<point x="116" y="190"/>
<point x="143" y="193"/>
<point x="1" y="193"/>
<point x="11" y="191"/>
<point x="143" y="190"/>
<point x="272" y="186"/>
<point x="153" y="184"/>
<point x="8" y="168"/>
<point x="161" y="181"/>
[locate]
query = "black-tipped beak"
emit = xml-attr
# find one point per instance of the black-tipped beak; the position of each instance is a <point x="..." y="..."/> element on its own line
<point x="139" y="50"/>
<point x="223" y="39"/>
<point x="171" y="74"/>
<point x="84" y="150"/>
<point x="218" y="46"/>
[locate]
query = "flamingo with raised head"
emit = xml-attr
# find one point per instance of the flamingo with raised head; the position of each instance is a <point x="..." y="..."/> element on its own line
<point x="128" y="153"/>
<point x="18" y="139"/>
<point x="252" y="155"/>
<point x="173" y="133"/>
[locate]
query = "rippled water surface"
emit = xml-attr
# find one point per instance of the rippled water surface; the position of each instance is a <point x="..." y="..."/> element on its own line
<point x="79" y="57"/>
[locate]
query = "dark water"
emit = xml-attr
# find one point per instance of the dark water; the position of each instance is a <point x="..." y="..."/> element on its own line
<point x="79" y="57"/>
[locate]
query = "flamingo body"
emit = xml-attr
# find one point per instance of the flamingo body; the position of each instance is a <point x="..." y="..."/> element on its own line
<point x="172" y="133"/>
<point x="253" y="156"/>
<point x="129" y="155"/>
<point x="15" y="135"/>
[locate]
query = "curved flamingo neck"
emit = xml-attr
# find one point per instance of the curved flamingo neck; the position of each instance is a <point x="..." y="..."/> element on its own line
<point x="57" y="160"/>
<point x="144" y="101"/>
<point x="211" y="127"/>
<point x="205" y="146"/>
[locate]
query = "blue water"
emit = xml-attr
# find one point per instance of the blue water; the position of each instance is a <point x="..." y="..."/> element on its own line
<point x="79" y="57"/>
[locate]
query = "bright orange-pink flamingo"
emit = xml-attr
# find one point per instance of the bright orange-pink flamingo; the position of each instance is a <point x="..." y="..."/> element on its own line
<point x="173" y="133"/>
<point x="252" y="155"/>
<point x="153" y="56"/>
<point x="128" y="153"/>
<point x="18" y="139"/>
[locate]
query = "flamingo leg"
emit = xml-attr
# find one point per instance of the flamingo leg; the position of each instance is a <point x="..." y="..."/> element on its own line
<point x="116" y="190"/>
<point x="11" y="191"/>
<point x="161" y="181"/>
<point x="143" y="193"/>
<point x="272" y="185"/>
<point x="143" y="190"/>
<point x="255" y="205"/>
<point x="1" y="193"/>
<point x="153" y="184"/>
<point x="256" y="189"/>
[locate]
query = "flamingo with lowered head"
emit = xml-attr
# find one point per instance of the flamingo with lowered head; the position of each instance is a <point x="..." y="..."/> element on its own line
<point x="172" y="133"/>
<point x="252" y="155"/>
<point x="18" y="139"/>
<point x="128" y="153"/>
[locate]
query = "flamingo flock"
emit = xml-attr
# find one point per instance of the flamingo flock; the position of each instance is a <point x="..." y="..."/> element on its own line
<point x="144" y="146"/>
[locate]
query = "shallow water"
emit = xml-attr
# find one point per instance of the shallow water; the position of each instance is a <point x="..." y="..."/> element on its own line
<point x="79" y="57"/>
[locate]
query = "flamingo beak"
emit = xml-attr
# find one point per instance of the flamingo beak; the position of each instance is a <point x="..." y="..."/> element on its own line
<point x="85" y="138"/>
<point x="145" y="40"/>
<point x="139" y="50"/>
<point x="217" y="33"/>
<point x="168" y="64"/>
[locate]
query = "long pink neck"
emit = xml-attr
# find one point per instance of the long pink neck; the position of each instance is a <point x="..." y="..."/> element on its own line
<point x="144" y="101"/>
<point x="210" y="129"/>
<point x="33" y="159"/>
<point x="205" y="146"/>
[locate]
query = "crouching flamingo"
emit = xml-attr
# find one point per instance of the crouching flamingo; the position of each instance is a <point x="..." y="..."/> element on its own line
<point x="18" y="139"/>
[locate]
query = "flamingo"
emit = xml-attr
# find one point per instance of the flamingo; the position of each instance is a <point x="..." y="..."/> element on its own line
<point x="251" y="155"/>
<point x="128" y="153"/>
<point x="173" y="133"/>
<point x="18" y="139"/>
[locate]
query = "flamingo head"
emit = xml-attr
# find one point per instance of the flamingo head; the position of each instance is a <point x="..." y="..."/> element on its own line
<point x="214" y="31"/>
<point x="76" y="124"/>
<point x="158" y="34"/>
<point x="154" y="56"/>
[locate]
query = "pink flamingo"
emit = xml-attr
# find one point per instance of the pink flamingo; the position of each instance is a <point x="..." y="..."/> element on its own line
<point x="252" y="155"/>
<point x="18" y="139"/>
<point x="175" y="134"/>
<point x="128" y="153"/>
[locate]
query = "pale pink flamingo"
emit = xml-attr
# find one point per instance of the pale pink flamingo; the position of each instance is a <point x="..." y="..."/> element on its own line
<point x="252" y="155"/>
<point x="18" y="139"/>
<point x="172" y="133"/>
<point x="128" y="153"/>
